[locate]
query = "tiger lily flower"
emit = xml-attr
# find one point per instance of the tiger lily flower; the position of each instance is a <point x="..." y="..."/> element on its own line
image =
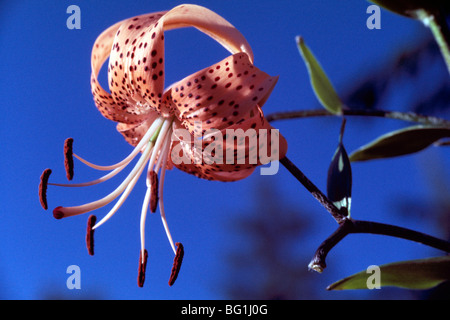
<point x="227" y="95"/>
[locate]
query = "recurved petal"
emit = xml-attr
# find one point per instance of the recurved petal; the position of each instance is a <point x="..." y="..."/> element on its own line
<point x="210" y="23"/>
<point x="104" y="100"/>
<point x="136" y="65"/>
<point x="222" y="94"/>
<point x="136" y="59"/>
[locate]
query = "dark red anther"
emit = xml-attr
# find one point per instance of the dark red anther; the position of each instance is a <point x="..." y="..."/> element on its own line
<point x="68" y="158"/>
<point x="176" y="263"/>
<point x="142" y="267"/>
<point x="43" y="188"/>
<point x="90" y="234"/>
<point x="154" y="191"/>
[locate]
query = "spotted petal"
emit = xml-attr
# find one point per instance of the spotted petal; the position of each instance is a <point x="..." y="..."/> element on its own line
<point x="232" y="153"/>
<point x="134" y="132"/>
<point x="103" y="100"/>
<point x="136" y="65"/>
<point x="210" y="23"/>
<point x="221" y="95"/>
<point x="136" y="60"/>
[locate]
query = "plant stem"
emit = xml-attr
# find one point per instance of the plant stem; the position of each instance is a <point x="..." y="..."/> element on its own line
<point x="405" y="116"/>
<point x="315" y="192"/>
<point x="356" y="226"/>
<point x="348" y="225"/>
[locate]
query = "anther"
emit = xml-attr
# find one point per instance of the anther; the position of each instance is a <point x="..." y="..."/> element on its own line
<point x="90" y="234"/>
<point x="142" y="267"/>
<point x="68" y="158"/>
<point x="154" y="191"/>
<point x="43" y="188"/>
<point x="176" y="263"/>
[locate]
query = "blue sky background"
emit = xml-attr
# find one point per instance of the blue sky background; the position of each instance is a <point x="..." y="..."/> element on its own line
<point x="46" y="98"/>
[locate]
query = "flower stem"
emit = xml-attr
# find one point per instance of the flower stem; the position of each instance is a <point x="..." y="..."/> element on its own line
<point x="356" y="226"/>
<point x="405" y="116"/>
<point x="348" y="225"/>
<point x="315" y="192"/>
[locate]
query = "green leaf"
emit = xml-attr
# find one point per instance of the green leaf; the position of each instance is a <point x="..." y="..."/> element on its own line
<point x="339" y="181"/>
<point x="413" y="274"/>
<point x="400" y="142"/>
<point x="320" y="83"/>
<point x="408" y="8"/>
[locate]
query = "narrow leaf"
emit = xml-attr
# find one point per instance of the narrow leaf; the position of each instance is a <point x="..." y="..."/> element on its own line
<point x="400" y="142"/>
<point x="413" y="274"/>
<point x="320" y="83"/>
<point x="339" y="182"/>
<point x="409" y="8"/>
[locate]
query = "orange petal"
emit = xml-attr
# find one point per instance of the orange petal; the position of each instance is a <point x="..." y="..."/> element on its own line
<point x="103" y="100"/>
<point x="210" y="23"/>
<point x="256" y="144"/>
<point x="271" y="144"/>
<point x="136" y="65"/>
<point x="133" y="133"/>
<point x="221" y="95"/>
<point x="209" y="172"/>
<point x="136" y="59"/>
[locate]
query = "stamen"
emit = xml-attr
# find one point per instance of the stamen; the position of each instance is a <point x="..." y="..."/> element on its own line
<point x="154" y="191"/>
<point x="123" y="197"/>
<point x="93" y="182"/>
<point x="143" y="218"/>
<point x="151" y="183"/>
<point x="142" y="266"/>
<point x="118" y="167"/>
<point x="68" y="158"/>
<point x="161" y="189"/>
<point x="163" y="134"/>
<point x="164" y="129"/>
<point x="43" y="188"/>
<point x="61" y="212"/>
<point x="90" y="234"/>
<point x="176" y="263"/>
<point x="153" y="128"/>
<point x="152" y="178"/>
<point x="128" y="183"/>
